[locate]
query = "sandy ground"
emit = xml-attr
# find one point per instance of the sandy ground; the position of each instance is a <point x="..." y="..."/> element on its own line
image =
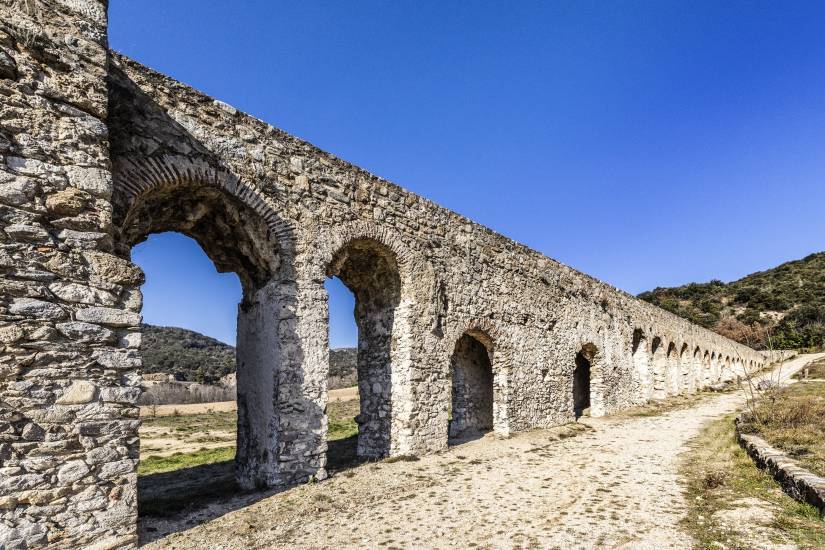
<point x="615" y="484"/>
<point x="343" y="394"/>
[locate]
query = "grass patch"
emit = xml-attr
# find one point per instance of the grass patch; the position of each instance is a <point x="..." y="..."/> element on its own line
<point x="191" y="423"/>
<point x="792" y="418"/>
<point x="341" y="419"/>
<point x="198" y="428"/>
<point x="718" y="474"/>
<point x="159" y="464"/>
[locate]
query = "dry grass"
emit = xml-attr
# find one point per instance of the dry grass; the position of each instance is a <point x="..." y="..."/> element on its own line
<point x="177" y="461"/>
<point x="793" y="419"/>
<point x="815" y="370"/>
<point x="169" y="484"/>
<point x="720" y="477"/>
<point x="219" y="427"/>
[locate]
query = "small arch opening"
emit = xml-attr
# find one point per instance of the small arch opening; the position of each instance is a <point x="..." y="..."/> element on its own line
<point x="659" y="369"/>
<point x="582" y="380"/>
<point x="641" y="363"/>
<point x="471" y="379"/>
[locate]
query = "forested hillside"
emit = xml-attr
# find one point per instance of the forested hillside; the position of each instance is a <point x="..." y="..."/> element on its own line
<point x="193" y="357"/>
<point x="189" y="355"/>
<point x="783" y="307"/>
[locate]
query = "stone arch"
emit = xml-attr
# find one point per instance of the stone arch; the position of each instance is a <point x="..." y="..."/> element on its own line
<point x="411" y="265"/>
<point x="706" y="368"/>
<point x="586" y="382"/>
<point x="418" y="305"/>
<point x="136" y="176"/>
<point x="696" y="378"/>
<point x="714" y="367"/>
<point x="659" y="368"/>
<point x="236" y="229"/>
<point x="684" y="369"/>
<point x="727" y="369"/>
<point x="492" y="339"/>
<point x="471" y="381"/>
<point x="672" y="366"/>
<point x="642" y="365"/>
<point x="240" y="233"/>
<point x="371" y="270"/>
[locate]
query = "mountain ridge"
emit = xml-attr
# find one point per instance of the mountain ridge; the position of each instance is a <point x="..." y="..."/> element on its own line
<point x="194" y="357"/>
<point x="781" y="308"/>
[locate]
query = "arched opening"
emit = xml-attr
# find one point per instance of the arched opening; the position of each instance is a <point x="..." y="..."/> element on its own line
<point x="582" y="380"/>
<point x="672" y="362"/>
<point x="236" y="240"/>
<point x="696" y="378"/>
<point x="659" y="369"/>
<point x="343" y="405"/>
<point x="641" y="364"/>
<point x="706" y="366"/>
<point x="471" y="375"/>
<point x="684" y="370"/>
<point x="714" y="367"/>
<point x="370" y="271"/>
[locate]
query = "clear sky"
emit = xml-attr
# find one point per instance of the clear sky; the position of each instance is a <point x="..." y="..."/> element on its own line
<point x="647" y="143"/>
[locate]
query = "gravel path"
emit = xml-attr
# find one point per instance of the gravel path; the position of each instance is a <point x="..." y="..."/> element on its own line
<point x="606" y="482"/>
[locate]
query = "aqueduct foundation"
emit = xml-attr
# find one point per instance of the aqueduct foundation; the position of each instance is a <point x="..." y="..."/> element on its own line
<point x="97" y="152"/>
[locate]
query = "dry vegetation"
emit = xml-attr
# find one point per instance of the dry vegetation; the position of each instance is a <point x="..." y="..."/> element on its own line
<point x="793" y="419"/>
<point x="187" y="460"/>
<point x="815" y="370"/>
<point x="780" y="308"/>
<point x="173" y="442"/>
<point x="736" y="505"/>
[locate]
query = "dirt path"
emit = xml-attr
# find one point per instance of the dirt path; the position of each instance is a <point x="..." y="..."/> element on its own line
<point x="614" y="484"/>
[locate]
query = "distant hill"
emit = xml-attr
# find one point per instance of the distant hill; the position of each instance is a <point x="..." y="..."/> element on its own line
<point x="783" y="307"/>
<point x="193" y="357"/>
<point x="187" y="354"/>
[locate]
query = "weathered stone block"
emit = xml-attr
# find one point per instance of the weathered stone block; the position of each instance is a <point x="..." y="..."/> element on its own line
<point x="78" y="393"/>
<point x="85" y="240"/>
<point x="108" y="316"/>
<point x="17" y="192"/>
<point x="68" y="202"/>
<point x="36" y="308"/>
<point x="95" y="181"/>
<point x="72" y="471"/>
<point x="113" y="269"/>
<point x="120" y="360"/>
<point x="10" y="334"/>
<point x="127" y="395"/>
<point x="82" y="294"/>
<point x="85" y="332"/>
<point x="28" y="233"/>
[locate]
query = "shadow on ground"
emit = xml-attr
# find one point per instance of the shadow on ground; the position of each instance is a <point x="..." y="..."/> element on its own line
<point x="466" y="436"/>
<point x="209" y="491"/>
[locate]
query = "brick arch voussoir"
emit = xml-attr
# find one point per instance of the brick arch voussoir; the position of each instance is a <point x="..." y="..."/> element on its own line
<point x="411" y="265"/>
<point x="480" y="328"/>
<point x="135" y="177"/>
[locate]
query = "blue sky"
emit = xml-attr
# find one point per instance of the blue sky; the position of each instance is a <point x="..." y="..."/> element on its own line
<point x="647" y="143"/>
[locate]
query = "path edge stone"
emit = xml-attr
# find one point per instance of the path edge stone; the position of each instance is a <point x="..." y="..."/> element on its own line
<point x="799" y="483"/>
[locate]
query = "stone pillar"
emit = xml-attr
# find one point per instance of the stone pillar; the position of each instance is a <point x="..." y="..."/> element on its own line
<point x="68" y="307"/>
<point x="302" y="386"/>
<point x="258" y="358"/>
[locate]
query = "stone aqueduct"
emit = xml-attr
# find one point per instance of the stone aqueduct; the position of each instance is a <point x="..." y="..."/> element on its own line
<point x="98" y="152"/>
